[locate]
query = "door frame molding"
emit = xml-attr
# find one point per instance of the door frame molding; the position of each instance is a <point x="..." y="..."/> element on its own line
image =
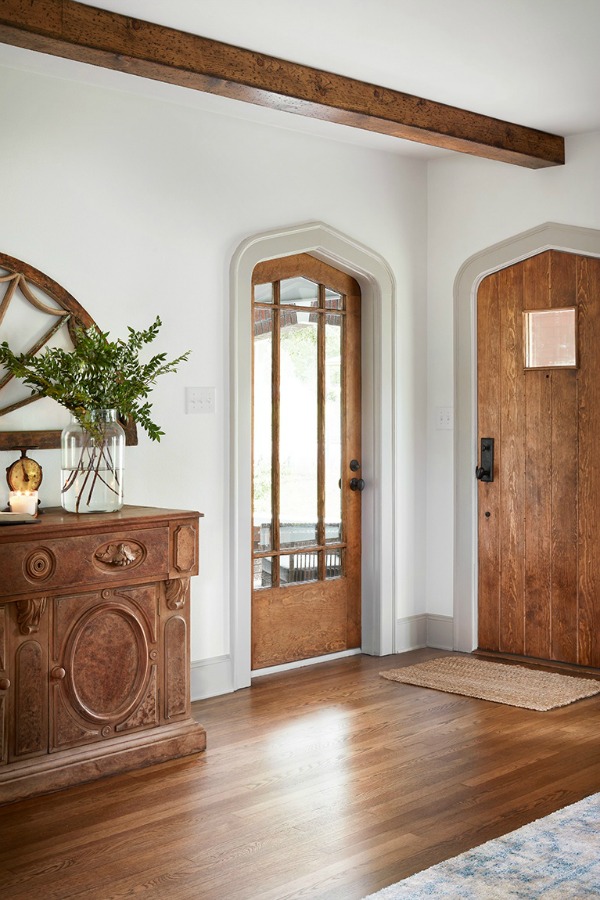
<point x="549" y="236"/>
<point x="378" y="293"/>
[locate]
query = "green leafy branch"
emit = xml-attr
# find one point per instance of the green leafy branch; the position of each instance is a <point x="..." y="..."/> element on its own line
<point x="97" y="374"/>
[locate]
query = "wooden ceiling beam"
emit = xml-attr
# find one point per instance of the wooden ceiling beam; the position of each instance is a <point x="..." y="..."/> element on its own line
<point x="110" y="40"/>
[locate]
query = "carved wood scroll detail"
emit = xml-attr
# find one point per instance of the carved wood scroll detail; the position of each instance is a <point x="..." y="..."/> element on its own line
<point x="29" y="613"/>
<point x="120" y="555"/>
<point x="176" y="592"/>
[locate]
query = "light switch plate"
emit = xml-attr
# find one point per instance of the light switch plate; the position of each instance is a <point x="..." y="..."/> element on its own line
<point x="199" y="400"/>
<point x="444" y="418"/>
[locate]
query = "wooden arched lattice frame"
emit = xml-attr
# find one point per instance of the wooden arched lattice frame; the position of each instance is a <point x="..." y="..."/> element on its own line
<point x="16" y="275"/>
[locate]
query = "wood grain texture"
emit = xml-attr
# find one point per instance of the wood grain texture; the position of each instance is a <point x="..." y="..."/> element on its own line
<point x="537" y="424"/>
<point x="302" y="620"/>
<point x="352" y="449"/>
<point x="511" y="397"/>
<point x="488" y="493"/>
<point x="110" y="40"/>
<point x="548" y="603"/>
<point x="588" y="284"/>
<point x="565" y="472"/>
<point x="327" y="782"/>
<point x="95" y="658"/>
<point x="298" y="621"/>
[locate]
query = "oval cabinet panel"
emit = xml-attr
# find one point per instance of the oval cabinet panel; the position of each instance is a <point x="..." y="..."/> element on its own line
<point x="107" y="663"/>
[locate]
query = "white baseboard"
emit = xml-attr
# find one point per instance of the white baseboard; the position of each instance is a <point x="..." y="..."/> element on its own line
<point x="440" y="632"/>
<point x="411" y="633"/>
<point x="424" y="630"/>
<point x="211" y="677"/>
<point x="272" y="670"/>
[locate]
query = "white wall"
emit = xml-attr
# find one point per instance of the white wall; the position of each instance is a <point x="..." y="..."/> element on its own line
<point x="472" y="205"/>
<point x="136" y="207"/>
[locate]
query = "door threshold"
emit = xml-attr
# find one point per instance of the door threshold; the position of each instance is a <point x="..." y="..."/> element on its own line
<point x="553" y="664"/>
<point x="285" y="667"/>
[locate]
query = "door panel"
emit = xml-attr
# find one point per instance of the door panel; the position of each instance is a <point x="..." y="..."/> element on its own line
<point x="306" y="430"/>
<point x="588" y="272"/>
<point x="539" y="532"/>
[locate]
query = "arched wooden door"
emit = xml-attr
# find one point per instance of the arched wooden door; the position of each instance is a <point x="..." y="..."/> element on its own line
<point x="307" y="478"/>
<point x="538" y="344"/>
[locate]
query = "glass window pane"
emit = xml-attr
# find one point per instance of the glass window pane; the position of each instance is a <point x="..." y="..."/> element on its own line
<point x="299" y="292"/>
<point x="333" y="428"/>
<point x="550" y="338"/>
<point x="263" y="569"/>
<point x="263" y="293"/>
<point x="298" y="444"/>
<point x="333" y="300"/>
<point x="299" y="567"/>
<point x="263" y="425"/>
<point x="333" y="564"/>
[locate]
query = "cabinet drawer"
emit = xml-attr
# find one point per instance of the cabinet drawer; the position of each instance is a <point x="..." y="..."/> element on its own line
<point x="99" y="558"/>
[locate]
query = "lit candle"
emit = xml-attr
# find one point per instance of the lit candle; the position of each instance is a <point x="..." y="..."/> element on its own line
<point x="23" y="502"/>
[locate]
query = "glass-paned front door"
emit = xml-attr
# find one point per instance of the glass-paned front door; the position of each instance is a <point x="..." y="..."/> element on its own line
<point x="306" y="429"/>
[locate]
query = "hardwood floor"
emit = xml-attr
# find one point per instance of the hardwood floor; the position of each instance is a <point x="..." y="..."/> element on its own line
<point x="324" y="782"/>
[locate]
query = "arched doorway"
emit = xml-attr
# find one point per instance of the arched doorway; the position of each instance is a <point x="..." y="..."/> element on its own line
<point x="550" y="236"/>
<point x="377" y="287"/>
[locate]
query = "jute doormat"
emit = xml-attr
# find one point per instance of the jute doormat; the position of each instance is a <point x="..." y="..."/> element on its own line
<point x="499" y="682"/>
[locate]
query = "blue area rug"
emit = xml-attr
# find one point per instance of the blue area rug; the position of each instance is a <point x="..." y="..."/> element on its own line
<point x="557" y="857"/>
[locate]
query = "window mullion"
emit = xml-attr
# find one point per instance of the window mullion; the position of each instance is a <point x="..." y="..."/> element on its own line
<point x="321" y="430"/>
<point x="275" y="467"/>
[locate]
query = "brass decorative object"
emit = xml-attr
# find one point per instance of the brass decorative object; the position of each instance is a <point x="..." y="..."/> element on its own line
<point x="25" y="474"/>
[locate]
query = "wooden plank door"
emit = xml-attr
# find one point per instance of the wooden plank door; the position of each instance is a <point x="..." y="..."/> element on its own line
<point x="306" y="461"/>
<point x="538" y="522"/>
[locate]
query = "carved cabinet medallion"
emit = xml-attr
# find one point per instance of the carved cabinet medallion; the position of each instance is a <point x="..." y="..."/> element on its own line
<point x="120" y="555"/>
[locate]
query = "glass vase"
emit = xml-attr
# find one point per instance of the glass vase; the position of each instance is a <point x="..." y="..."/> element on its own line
<point x="92" y="464"/>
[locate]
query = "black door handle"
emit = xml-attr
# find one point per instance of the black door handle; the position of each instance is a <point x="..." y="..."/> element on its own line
<point x="485" y="471"/>
<point x="357" y="484"/>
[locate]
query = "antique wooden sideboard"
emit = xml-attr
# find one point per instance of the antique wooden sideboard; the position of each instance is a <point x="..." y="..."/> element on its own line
<point x="94" y="646"/>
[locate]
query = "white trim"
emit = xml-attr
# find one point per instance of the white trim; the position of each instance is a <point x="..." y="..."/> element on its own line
<point x="440" y="632"/>
<point x="411" y="633"/>
<point x="211" y="677"/>
<point x="300" y="663"/>
<point x="550" y="236"/>
<point x="378" y="294"/>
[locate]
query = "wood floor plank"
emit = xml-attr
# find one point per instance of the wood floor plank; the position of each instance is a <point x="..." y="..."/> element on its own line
<point x="325" y="782"/>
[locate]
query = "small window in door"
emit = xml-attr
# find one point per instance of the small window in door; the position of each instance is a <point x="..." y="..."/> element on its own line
<point x="550" y="338"/>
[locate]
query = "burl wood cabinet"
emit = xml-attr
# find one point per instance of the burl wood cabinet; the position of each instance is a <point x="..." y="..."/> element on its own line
<point x="94" y="646"/>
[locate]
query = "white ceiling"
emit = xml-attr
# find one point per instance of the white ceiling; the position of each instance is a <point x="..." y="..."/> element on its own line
<point x="532" y="62"/>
